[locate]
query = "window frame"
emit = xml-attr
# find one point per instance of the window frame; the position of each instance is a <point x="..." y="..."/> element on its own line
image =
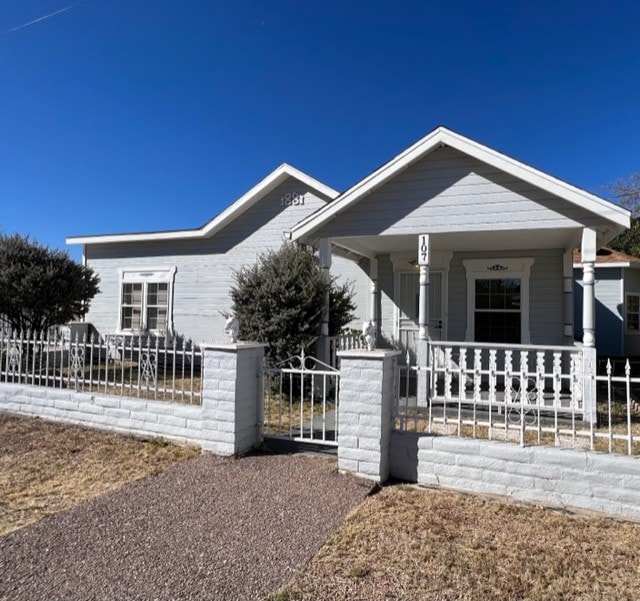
<point x="145" y="277"/>
<point x="627" y="330"/>
<point x="499" y="269"/>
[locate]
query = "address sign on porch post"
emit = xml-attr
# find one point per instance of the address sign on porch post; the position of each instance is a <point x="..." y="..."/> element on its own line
<point x="423" y="262"/>
<point x="423" y="249"/>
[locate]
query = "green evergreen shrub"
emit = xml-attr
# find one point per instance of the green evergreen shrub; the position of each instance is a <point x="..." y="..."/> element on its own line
<point x="280" y="300"/>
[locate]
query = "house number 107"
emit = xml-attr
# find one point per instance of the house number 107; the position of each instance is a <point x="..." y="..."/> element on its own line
<point x="292" y="199"/>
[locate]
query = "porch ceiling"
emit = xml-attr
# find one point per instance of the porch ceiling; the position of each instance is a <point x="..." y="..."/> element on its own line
<point x="467" y="241"/>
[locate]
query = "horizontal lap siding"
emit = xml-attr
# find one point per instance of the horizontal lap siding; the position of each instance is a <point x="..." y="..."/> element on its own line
<point x="388" y="326"/>
<point x="357" y="273"/>
<point x="546" y="317"/>
<point x="204" y="267"/>
<point x="454" y="193"/>
<point x="609" y="310"/>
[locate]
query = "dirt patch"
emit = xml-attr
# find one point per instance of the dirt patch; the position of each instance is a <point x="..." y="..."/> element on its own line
<point x="47" y="467"/>
<point x="409" y="543"/>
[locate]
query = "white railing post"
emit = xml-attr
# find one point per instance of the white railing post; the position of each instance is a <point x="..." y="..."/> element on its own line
<point x="589" y="388"/>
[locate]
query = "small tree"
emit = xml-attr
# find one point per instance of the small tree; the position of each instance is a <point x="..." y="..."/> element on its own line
<point x="40" y="287"/>
<point x="626" y="191"/>
<point x="281" y="300"/>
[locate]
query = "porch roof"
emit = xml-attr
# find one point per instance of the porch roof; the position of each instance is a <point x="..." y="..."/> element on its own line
<point x="607" y="218"/>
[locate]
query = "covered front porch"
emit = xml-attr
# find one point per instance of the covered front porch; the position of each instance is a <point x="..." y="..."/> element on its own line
<point x="483" y="319"/>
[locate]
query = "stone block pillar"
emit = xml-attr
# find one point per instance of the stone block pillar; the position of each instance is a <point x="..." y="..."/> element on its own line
<point x="231" y="397"/>
<point x="367" y="391"/>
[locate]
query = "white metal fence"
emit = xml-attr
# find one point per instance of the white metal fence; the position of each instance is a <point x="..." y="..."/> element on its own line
<point x="134" y="365"/>
<point x="301" y="401"/>
<point x="528" y="395"/>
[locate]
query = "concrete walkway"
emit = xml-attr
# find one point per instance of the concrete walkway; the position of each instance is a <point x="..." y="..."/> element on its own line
<point x="209" y="528"/>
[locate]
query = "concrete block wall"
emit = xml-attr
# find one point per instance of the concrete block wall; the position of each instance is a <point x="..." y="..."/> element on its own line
<point x="367" y="381"/>
<point x="558" y="477"/>
<point x="120" y="414"/>
<point x="227" y="422"/>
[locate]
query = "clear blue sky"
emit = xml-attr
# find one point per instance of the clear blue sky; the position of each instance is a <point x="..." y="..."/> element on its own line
<point x="119" y="115"/>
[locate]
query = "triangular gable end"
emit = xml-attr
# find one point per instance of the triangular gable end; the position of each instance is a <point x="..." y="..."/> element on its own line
<point x="615" y="218"/>
<point x="228" y="215"/>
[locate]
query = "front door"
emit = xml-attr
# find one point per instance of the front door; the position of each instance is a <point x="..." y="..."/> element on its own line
<point x="408" y="302"/>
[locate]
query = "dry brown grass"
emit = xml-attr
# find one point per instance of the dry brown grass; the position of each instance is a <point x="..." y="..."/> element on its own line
<point x="46" y="467"/>
<point x="408" y="543"/>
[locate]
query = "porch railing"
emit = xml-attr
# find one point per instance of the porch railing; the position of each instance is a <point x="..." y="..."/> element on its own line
<point x="141" y="366"/>
<point x="344" y="342"/>
<point x="530" y="395"/>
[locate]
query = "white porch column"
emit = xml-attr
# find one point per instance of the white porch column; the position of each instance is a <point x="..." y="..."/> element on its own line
<point x="373" y="298"/>
<point x="423" y="314"/>
<point x="588" y="281"/>
<point x="567" y="269"/>
<point x="322" y="348"/>
<point x="423" y="319"/>
<point x="589" y="355"/>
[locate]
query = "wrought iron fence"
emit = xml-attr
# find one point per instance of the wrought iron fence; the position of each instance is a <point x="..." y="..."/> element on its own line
<point x="142" y="366"/>
<point x="530" y="396"/>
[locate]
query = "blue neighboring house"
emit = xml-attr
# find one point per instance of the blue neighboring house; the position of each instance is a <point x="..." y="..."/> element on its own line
<point x="617" y="291"/>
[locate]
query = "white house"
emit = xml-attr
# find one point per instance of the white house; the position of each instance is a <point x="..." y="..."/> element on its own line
<point x="177" y="282"/>
<point x="450" y="242"/>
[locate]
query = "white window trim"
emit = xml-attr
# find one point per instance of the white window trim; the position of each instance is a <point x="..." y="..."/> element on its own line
<point x="626" y="322"/>
<point x="147" y="275"/>
<point x="498" y="269"/>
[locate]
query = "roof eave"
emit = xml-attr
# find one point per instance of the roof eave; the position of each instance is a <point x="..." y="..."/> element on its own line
<point x="246" y="201"/>
<point x="442" y="136"/>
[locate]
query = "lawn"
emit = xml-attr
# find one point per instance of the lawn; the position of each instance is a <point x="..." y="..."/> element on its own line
<point x="417" y="544"/>
<point x="46" y="467"/>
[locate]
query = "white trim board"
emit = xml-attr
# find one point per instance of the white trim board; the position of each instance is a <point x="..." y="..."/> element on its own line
<point x="618" y="217"/>
<point x="246" y="201"/>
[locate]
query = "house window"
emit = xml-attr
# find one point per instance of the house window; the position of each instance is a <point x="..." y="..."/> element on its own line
<point x="498" y="300"/>
<point x="146" y="300"/>
<point x="632" y="312"/>
<point x="497" y="310"/>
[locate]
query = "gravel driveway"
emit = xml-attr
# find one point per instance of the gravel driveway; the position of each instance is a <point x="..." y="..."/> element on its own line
<point x="209" y="528"/>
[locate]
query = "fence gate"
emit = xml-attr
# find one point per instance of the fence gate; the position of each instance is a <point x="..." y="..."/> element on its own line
<point x="300" y="401"/>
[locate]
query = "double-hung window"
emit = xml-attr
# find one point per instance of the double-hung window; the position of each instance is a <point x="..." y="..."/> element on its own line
<point x="498" y="300"/>
<point x="498" y="310"/>
<point x="632" y="313"/>
<point x="146" y="300"/>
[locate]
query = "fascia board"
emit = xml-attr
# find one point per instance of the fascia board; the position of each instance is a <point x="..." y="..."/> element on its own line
<point x="443" y="136"/>
<point x="233" y="211"/>
<point x="538" y="178"/>
<point x="369" y="183"/>
<point x="597" y="265"/>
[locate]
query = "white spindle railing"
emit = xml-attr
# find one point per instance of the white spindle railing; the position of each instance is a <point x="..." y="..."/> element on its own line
<point x="344" y="342"/>
<point x="524" y="394"/>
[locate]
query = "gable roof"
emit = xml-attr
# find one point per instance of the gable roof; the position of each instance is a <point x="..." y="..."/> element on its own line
<point x="246" y="201"/>
<point x="439" y="137"/>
